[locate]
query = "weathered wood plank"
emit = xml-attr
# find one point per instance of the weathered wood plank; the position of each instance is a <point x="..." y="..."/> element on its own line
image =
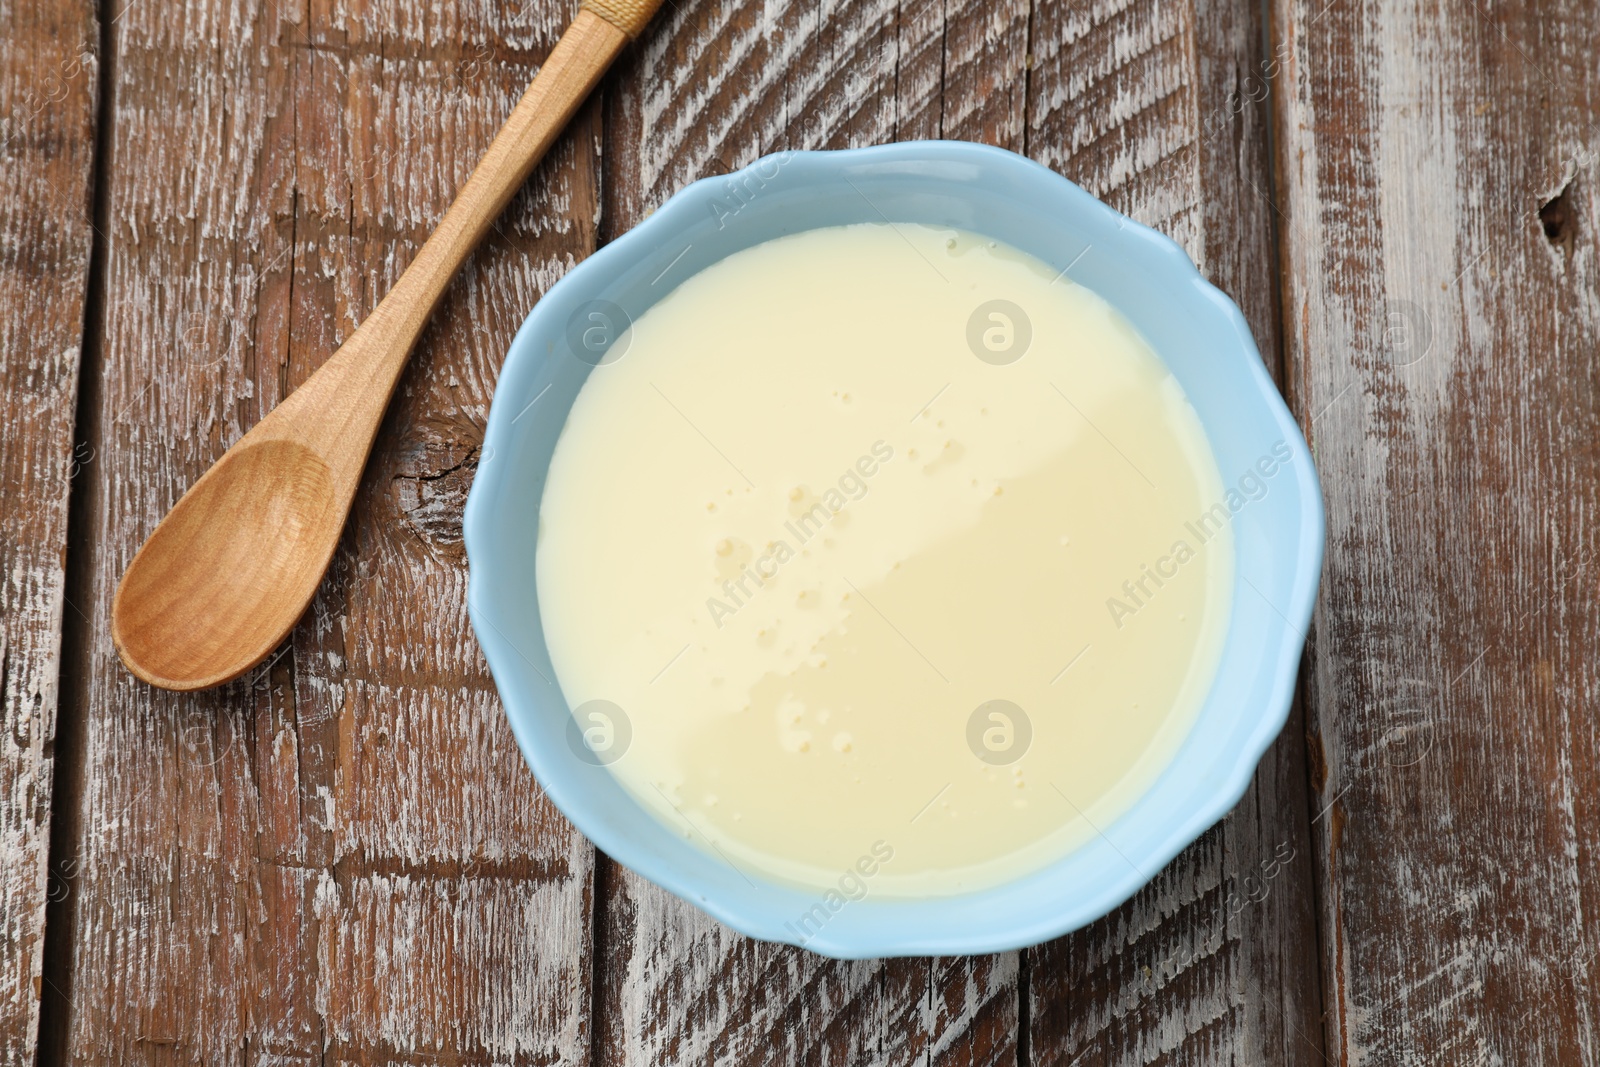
<point x="1440" y="246"/>
<point x="1155" y="107"/>
<point x="48" y="72"/>
<point x="712" y="87"/>
<point x="341" y="858"/>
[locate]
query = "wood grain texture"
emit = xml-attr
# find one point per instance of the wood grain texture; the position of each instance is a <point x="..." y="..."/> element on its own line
<point x="1442" y="304"/>
<point x="48" y="72"/>
<point x="1158" y="109"/>
<point x="712" y="87"/>
<point x="340" y="857"/>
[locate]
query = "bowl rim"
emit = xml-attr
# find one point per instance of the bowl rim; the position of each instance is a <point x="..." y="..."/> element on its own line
<point x="760" y="920"/>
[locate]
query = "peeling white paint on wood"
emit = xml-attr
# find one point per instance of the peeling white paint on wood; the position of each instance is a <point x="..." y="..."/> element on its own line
<point x="1441" y="343"/>
<point x="678" y="987"/>
<point x="342" y="856"/>
<point x="48" y="72"/>
<point x="1213" y="962"/>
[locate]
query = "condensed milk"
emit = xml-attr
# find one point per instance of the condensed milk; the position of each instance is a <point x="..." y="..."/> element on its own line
<point x="877" y="546"/>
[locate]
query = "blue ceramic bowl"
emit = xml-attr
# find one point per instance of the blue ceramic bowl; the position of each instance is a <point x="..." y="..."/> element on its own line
<point x="1197" y="331"/>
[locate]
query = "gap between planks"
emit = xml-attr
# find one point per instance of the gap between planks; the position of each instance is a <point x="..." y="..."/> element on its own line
<point x="66" y="808"/>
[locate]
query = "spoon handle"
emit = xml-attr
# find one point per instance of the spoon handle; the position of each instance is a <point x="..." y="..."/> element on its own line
<point x="573" y="68"/>
<point x="336" y="411"/>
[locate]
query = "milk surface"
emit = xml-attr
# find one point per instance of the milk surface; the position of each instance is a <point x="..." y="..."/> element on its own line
<point x="883" y="540"/>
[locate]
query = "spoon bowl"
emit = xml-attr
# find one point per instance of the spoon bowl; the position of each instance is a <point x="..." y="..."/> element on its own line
<point x="243" y="551"/>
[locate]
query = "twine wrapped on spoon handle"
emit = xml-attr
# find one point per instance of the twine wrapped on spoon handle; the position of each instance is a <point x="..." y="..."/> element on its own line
<point x="629" y="16"/>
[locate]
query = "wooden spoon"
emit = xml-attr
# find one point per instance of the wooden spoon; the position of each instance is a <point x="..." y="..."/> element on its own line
<point x="230" y="570"/>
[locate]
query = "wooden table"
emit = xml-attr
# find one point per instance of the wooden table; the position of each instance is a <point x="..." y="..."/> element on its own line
<point x="343" y="858"/>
